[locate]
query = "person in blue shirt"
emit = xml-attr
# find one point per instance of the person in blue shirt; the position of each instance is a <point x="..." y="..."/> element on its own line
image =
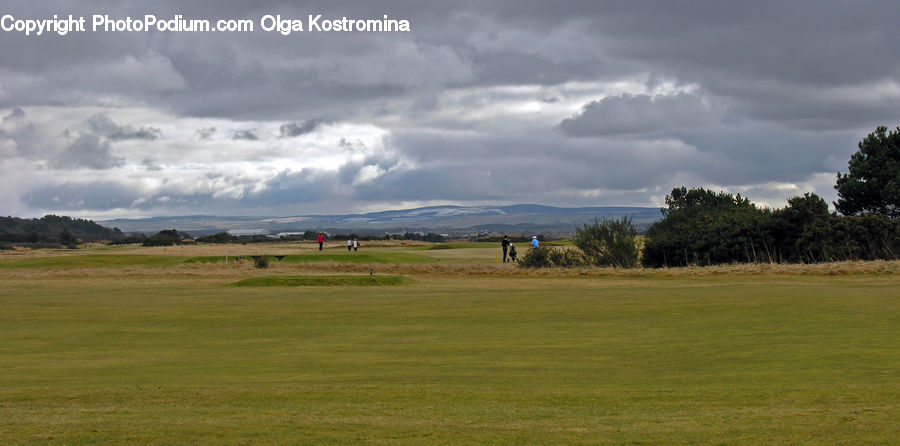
<point x="534" y="242"/>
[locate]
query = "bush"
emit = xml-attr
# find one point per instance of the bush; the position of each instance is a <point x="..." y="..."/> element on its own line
<point x="261" y="262"/>
<point x="701" y="227"/>
<point x="609" y="243"/>
<point x="66" y="238"/>
<point x="567" y="257"/>
<point x="167" y="237"/>
<point x="131" y="239"/>
<point x="536" y="258"/>
<point x="221" y="237"/>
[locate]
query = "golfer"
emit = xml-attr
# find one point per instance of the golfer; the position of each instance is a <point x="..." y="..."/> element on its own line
<point x="534" y="242"/>
<point x="505" y="245"/>
<point x="321" y="240"/>
<point x="349" y="245"/>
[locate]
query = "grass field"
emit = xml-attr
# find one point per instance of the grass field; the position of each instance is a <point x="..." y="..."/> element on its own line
<point x="139" y="346"/>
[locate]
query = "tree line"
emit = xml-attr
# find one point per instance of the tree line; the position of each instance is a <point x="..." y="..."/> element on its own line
<point x="54" y="229"/>
<point x="703" y="227"/>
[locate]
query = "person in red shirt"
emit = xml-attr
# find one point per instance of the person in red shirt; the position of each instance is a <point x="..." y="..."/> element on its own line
<point x="321" y="240"/>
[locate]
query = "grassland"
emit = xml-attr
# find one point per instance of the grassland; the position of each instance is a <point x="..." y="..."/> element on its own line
<point x="282" y="281"/>
<point x="152" y="349"/>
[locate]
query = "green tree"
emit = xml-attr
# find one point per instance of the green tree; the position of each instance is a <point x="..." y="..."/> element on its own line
<point x="805" y="217"/>
<point x="66" y="237"/>
<point x="166" y="237"/>
<point x="702" y="227"/>
<point x="873" y="184"/>
<point x="609" y="243"/>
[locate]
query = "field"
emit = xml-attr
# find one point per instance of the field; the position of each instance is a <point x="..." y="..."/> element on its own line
<point x="163" y="346"/>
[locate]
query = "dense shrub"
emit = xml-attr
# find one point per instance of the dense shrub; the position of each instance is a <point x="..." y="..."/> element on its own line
<point x="609" y="243"/>
<point x="544" y="257"/>
<point x="130" y="239"/>
<point x="536" y="258"/>
<point x="567" y="257"/>
<point x="221" y="237"/>
<point x="261" y="262"/>
<point x="166" y="237"/>
<point x="867" y="237"/>
<point x="701" y="227"/>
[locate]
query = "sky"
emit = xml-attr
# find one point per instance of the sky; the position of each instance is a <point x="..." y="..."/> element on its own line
<point x="564" y="103"/>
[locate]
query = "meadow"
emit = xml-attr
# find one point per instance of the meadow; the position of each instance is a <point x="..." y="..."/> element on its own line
<point x="124" y="345"/>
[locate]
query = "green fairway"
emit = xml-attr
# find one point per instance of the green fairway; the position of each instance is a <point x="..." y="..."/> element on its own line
<point x="90" y="261"/>
<point x="320" y="281"/>
<point x="346" y="257"/>
<point x="178" y="356"/>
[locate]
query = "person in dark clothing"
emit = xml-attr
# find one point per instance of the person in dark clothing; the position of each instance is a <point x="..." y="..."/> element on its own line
<point x="321" y="240"/>
<point x="512" y="253"/>
<point x="505" y="245"/>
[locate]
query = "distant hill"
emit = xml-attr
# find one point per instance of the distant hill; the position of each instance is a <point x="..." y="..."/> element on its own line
<point x="51" y="228"/>
<point x="455" y="220"/>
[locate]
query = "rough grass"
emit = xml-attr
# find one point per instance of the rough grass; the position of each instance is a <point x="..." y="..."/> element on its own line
<point x="289" y="281"/>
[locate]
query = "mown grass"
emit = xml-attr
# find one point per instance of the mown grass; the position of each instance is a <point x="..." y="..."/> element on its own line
<point x="289" y="281"/>
<point x="172" y="355"/>
<point x="460" y="245"/>
<point x="72" y="261"/>
<point x="345" y="257"/>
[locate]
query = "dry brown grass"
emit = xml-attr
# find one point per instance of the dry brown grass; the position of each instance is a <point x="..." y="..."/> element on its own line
<point x="232" y="249"/>
<point x="481" y="263"/>
<point x="820" y="269"/>
<point x="488" y="269"/>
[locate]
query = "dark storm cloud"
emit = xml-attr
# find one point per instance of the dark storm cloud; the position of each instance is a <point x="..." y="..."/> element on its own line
<point x="507" y="165"/>
<point x="103" y="125"/>
<point x="87" y="151"/>
<point x="150" y="164"/>
<point x="629" y="114"/>
<point x="16" y="114"/>
<point x="246" y="135"/>
<point x="99" y="195"/>
<point x="107" y="195"/>
<point x="205" y="133"/>
<point x="299" y="187"/>
<point x="784" y="43"/>
<point x="292" y="129"/>
<point x="697" y="92"/>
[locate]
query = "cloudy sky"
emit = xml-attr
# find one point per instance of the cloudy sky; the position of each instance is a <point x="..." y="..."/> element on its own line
<point x="565" y="103"/>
